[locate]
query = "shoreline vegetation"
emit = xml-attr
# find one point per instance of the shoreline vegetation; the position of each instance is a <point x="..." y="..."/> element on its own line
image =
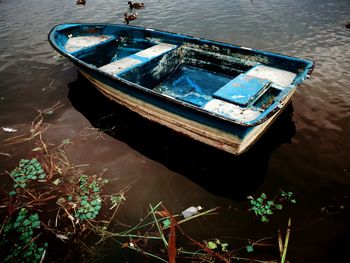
<point x="51" y="206"/>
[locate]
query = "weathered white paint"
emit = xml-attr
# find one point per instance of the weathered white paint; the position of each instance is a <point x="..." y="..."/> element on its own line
<point x="120" y="65"/>
<point x="155" y="50"/>
<point x="280" y="77"/>
<point x="230" y="110"/>
<point x="76" y="43"/>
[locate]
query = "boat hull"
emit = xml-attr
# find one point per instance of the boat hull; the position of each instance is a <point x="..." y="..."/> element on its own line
<point x="229" y="142"/>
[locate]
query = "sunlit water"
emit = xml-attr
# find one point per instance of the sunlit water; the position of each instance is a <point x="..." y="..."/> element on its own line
<point x="312" y="159"/>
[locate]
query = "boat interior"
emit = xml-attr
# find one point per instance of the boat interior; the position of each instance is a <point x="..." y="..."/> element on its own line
<point x="233" y="83"/>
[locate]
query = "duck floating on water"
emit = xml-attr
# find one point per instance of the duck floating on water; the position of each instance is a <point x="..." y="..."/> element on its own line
<point x="136" y="5"/>
<point x="81" y="2"/>
<point x="129" y="17"/>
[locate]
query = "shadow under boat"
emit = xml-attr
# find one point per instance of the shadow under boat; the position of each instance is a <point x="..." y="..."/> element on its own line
<point x="218" y="172"/>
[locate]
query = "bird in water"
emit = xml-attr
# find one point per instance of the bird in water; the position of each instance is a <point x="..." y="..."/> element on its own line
<point x="129" y="17"/>
<point x="81" y="2"/>
<point x="135" y="5"/>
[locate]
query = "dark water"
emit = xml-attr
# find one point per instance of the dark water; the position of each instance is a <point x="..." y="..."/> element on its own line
<point x="306" y="151"/>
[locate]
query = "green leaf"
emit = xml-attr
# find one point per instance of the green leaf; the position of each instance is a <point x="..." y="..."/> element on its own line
<point x="264" y="219"/>
<point x="94" y="202"/>
<point x="66" y="141"/>
<point x="34" y="217"/>
<point x="7" y="228"/>
<point x="26" y="222"/>
<point x="278" y="206"/>
<point x="250" y="248"/>
<point x="36" y="224"/>
<point x="224" y="247"/>
<point x="12" y="193"/>
<point x="212" y="245"/>
<point x="166" y="223"/>
<point x="269" y="212"/>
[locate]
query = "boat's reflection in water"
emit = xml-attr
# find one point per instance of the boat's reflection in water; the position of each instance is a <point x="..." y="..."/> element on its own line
<point x="216" y="171"/>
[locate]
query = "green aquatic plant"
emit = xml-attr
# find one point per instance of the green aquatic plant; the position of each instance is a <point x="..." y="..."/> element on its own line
<point x="217" y="244"/>
<point x="66" y="141"/>
<point x="18" y="239"/>
<point x="116" y="200"/>
<point x="287" y="197"/>
<point x="250" y="248"/>
<point x="264" y="208"/>
<point x="87" y="197"/>
<point x="26" y="171"/>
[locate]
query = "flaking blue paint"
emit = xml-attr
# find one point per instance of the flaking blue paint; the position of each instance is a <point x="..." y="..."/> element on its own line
<point x="242" y="90"/>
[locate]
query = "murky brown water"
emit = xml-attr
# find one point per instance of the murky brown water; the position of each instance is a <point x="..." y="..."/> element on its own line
<point x="307" y="151"/>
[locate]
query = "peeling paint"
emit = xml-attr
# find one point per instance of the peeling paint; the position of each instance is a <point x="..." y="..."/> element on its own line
<point x="280" y="77"/>
<point x="79" y="42"/>
<point x="230" y="110"/>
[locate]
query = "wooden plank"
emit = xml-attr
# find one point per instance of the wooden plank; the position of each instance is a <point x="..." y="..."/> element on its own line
<point x="156" y="50"/>
<point x="76" y="43"/>
<point x="280" y="77"/>
<point x="138" y="58"/>
<point x="119" y="66"/>
<point x="242" y="90"/>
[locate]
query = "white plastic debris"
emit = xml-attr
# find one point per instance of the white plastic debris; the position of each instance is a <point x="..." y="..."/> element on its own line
<point x="62" y="237"/>
<point x="6" y="129"/>
<point x="191" y="211"/>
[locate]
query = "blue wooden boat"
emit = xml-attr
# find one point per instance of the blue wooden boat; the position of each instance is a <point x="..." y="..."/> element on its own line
<point x="220" y="94"/>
